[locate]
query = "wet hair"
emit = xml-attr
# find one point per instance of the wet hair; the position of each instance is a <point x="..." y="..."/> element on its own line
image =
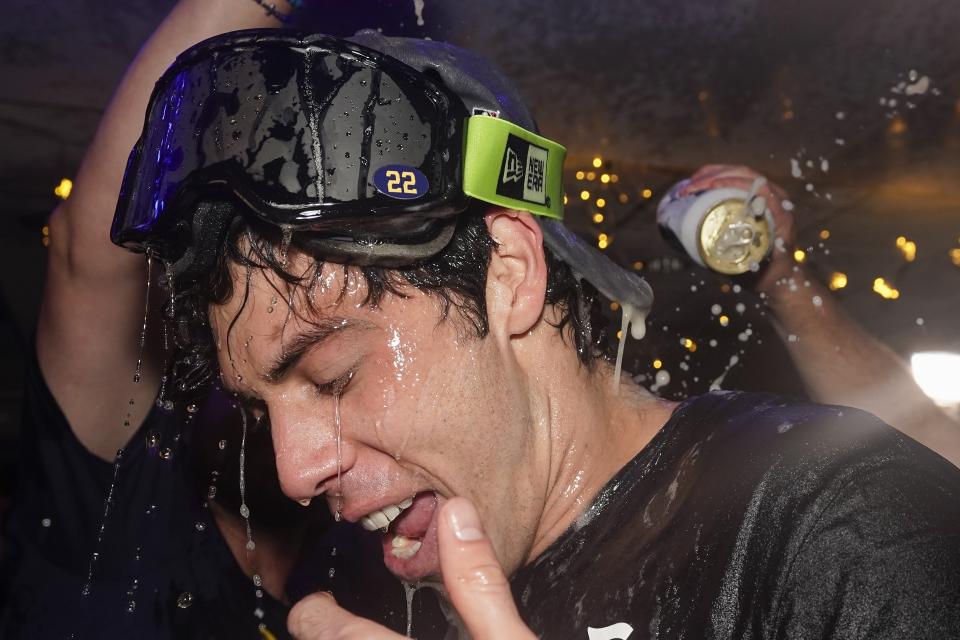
<point x="456" y="277"/>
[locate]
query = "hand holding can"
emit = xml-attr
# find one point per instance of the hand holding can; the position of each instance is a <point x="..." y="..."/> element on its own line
<point x="722" y="218"/>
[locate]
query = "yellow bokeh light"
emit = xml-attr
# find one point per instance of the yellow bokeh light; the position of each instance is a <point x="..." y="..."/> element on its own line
<point x="45" y="230"/>
<point x="647" y="193"/>
<point x="897" y="126"/>
<point x="605" y="178"/>
<point x="614" y="177"/>
<point x="597" y="218"/>
<point x="825" y="234"/>
<point x="565" y="199"/>
<point x="591" y="175"/>
<point x="614" y="306"/>
<point x="580" y="175"/>
<point x="910" y="251"/>
<point x="603" y="241"/>
<point x="598" y="162"/>
<point x="838" y="281"/>
<point x="63" y="189"/>
<point x="885" y="290"/>
<point x="658" y="363"/>
<point x="638" y="265"/>
<point x="724" y="321"/>
<point x="584" y="195"/>
<point x="619" y="334"/>
<point x="908" y="248"/>
<point x="689" y="345"/>
<point x="601" y="203"/>
<point x="799" y="255"/>
<point x="623" y="198"/>
<point x="955" y="257"/>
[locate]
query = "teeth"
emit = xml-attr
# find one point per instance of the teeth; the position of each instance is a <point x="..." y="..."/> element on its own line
<point x="381" y="518"/>
<point x="391" y="512"/>
<point x="405" y="548"/>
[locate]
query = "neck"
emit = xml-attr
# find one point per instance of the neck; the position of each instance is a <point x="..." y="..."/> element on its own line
<point x="593" y="431"/>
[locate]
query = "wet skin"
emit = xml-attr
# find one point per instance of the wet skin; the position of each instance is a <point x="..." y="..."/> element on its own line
<point x="427" y="409"/>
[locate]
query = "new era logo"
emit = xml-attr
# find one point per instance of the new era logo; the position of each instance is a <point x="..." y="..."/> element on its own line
<point x="512" y="168"/>
<point x="524" y="171"/>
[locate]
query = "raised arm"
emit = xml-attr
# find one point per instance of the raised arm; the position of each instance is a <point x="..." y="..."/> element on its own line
<point x="91" y="313"/>
<point x="838" y="360"/>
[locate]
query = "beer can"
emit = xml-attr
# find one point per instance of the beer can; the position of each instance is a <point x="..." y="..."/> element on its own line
<point x="727" y="230"/>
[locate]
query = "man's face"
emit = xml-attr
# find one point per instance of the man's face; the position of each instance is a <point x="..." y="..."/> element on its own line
<point x="424" y="410"/>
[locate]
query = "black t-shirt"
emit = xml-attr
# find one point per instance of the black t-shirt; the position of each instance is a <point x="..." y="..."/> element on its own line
<point x="748" y="516"/>
<point x="163" y="570"/>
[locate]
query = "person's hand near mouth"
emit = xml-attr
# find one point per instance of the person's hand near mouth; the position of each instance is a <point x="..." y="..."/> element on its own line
<point x="472" y="576"/>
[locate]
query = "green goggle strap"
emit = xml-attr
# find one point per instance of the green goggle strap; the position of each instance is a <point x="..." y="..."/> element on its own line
<point x="509" y="166"/>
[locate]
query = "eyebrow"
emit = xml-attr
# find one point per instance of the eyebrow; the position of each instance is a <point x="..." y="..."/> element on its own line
<point x="318" y="333"/>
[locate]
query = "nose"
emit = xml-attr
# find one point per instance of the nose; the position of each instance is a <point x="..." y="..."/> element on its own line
<point x="309" y="455"/>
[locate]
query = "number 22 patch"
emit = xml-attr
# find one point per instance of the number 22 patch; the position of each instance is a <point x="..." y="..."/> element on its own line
<point x="401" y="182"/>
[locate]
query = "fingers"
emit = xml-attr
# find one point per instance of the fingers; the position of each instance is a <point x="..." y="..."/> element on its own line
<point x="473" y="577"/>
<point x="717" y="176"/>
<point x="319" y="617"/>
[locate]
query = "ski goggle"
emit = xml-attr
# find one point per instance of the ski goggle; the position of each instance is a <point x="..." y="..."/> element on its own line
<point x="363" y="157"/>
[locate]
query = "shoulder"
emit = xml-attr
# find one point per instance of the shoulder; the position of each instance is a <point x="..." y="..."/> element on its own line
<point x="838" y="519"/>
<point x="774" y="429"/>
<point x="798" y="457"/>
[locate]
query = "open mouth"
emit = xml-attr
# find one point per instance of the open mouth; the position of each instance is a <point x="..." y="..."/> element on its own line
<point x="410" y="549"/>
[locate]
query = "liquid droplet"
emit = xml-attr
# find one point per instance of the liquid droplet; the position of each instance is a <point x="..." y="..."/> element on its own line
<point x="287" y="236"/>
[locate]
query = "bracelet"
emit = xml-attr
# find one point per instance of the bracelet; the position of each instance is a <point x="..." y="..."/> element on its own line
<point x="273" y="12"/>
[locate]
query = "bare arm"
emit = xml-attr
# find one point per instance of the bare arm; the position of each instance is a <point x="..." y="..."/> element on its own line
<point x="841" y="363"/>
<point x="90" y="316"/>
<point x="838" y="360"/>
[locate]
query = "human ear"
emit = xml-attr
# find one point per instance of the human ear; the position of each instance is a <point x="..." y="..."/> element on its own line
<point x="517" y="276"/>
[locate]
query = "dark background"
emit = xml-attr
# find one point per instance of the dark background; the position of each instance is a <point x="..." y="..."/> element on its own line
<point x="655" y="88"/>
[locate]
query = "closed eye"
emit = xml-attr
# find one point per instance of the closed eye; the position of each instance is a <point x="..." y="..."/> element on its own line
<point x="337" y="386"/>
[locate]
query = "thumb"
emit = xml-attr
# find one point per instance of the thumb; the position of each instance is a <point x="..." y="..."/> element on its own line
<point x="319" y="617"/>
<point x="473" y="577"/>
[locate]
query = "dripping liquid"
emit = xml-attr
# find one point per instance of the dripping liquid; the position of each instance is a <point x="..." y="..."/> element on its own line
<point x="409" y="591"/>
<point x="107" y="503"/>
<point x="244" y="509"/>
<point x="146" y="312"/>
<point x="336" y="416"/>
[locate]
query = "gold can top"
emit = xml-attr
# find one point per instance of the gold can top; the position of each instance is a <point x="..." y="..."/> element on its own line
<point x="732" y="240"/>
